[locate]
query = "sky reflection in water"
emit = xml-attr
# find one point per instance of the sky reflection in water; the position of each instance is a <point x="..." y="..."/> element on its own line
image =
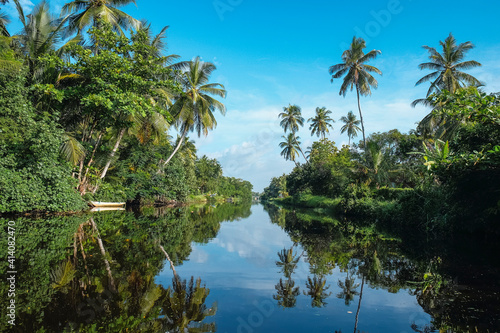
<point x="239" y="268"/>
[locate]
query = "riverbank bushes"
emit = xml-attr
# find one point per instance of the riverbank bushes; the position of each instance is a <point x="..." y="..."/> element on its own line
<point x="441" y="185"/>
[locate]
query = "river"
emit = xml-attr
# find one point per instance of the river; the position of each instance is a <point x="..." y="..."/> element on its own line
<point x="238" y="268"/>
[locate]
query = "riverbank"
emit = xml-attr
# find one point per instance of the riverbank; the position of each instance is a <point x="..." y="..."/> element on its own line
<point x="424" y="212"/>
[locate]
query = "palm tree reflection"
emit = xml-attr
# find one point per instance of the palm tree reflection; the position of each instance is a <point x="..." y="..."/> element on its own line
<point x="348" y="289"/>
<point x="317" y="290"/>
<point x="287" y="293"/>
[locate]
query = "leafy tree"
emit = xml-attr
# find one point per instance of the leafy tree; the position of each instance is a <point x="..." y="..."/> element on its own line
<point x="33" y="174"/>
<point x="350" y="125"/>
<point x="321" y="122"/>
<point x="109" y="91"/>
<point x="208" y="173"/>
<point x="357" y="72"/>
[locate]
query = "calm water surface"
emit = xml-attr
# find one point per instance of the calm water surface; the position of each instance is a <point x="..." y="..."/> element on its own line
<point x="239" y="268"/>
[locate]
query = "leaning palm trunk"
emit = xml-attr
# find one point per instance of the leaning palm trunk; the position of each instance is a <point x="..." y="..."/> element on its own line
<point x="111" y="155"/>
<point x="103" y="252"/>
<point x="361" y="118"/>
<point x="175" y="150"/>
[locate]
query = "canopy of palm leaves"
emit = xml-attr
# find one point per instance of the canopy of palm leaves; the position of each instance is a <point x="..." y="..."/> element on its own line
<point x="448" y="68"/>
<point x="321" y="122"/>
<point x="290" y="147"/>
<point x="88" y="12"/>
<point x="4" y="20"/>
<point x="356" y="72"/>
<point x="194" y="109"/>
<point x="40" y="35"/>
<point x="350" y="125"/>
<point x="291" y="118"/>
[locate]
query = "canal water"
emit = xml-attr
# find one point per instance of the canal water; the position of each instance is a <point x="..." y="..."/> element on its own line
<point x="236" y="268"/>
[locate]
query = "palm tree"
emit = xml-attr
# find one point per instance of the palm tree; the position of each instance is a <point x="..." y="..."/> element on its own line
<point x="350" y="125"/>
<point x="4" y="20"/>
<point x="291" y="119"/>
<point x="41" y="33"/>
<point x="88" y="12"/>
<point x="290" y="147"/>
<point x="357" y="73"/>
<point x="193" y="110"/>
<point x="321" y="122"/>
<point x="447" y="68"/>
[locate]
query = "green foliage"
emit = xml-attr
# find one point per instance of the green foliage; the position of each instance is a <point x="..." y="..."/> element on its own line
<point x="32" y="173"/>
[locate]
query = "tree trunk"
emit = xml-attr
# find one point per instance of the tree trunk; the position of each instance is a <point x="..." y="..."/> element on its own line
<point x="300" y="149"/>
<point x="103" y="252"/>
<point x="359" y="303"/>
<point x="113" y="152"/>
<point x="169" y="260"/>
<point x="83" y="186"/>
<point x="361" y="118"/>
<point x="175" y="150"/>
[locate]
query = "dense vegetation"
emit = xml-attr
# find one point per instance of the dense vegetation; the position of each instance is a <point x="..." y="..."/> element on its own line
<point x="88" y="116"/>
<point x="441" y="178"/>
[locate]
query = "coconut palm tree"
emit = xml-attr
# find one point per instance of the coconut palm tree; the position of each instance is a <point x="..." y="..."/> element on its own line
<point x="291" y="119"/>
<point x="88" y="12"/>
<point x="40" y="35"/>
<point x="193" y="110"/>
<point x="321" y="122"/>
<point x="447" y="68"/>
<point x="290" y="147"/>
<point x="357" y="73"/>
<point x="350" y="125"/>
<point x="4" y="20"/>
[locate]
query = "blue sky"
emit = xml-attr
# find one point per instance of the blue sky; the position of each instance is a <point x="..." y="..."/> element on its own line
<point x="271" y="54"/>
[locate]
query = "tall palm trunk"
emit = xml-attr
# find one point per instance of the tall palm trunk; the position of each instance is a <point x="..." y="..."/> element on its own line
<point x="175" y="150"/>
<point x="359" y="303"/>
<point x="361" y="118"/>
